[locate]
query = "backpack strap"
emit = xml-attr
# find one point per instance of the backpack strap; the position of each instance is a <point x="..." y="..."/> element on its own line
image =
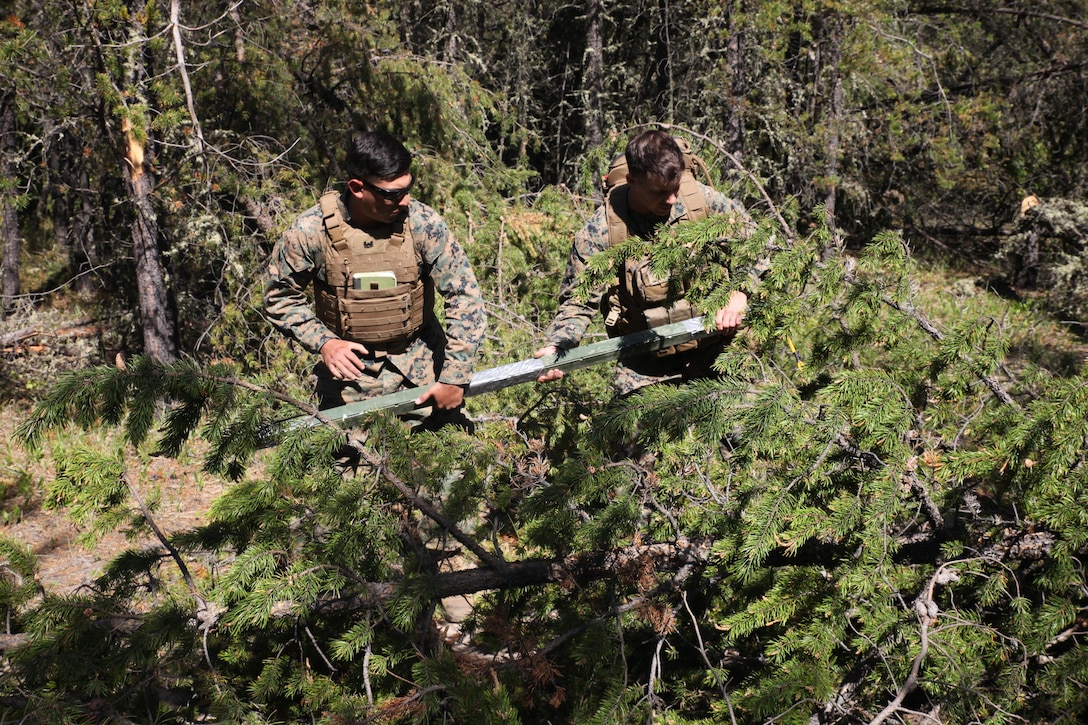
<point x="618" y="209"/>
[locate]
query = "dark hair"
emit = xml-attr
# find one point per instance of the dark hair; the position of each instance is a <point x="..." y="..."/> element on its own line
<point x="376" y="154"/>
<point x="655" y="154"/>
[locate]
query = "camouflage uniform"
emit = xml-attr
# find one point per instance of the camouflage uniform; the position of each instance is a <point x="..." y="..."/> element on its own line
<point x="446" y="356"/>
<point x="574" y="315"/>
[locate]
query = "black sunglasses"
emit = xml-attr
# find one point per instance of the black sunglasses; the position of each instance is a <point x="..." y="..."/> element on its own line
<point x="389" y="194"/>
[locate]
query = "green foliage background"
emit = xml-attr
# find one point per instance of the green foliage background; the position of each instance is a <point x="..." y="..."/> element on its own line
<point x="876" y="514"/>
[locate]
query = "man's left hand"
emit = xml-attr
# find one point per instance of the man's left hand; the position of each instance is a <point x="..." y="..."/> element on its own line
<point x="443" y="396"/>
<point x="731" y="316"/>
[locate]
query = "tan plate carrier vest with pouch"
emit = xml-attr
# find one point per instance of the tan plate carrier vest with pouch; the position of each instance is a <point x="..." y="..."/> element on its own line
<point x="642" y="300"/>
<point x="373" y="294"/>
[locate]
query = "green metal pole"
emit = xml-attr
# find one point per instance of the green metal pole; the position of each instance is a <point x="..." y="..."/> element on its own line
<point x="523" y="371"/>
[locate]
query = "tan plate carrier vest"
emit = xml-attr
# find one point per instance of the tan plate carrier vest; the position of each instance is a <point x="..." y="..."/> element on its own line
<point x="384" y="320"/>
<point x="642" y="300"/>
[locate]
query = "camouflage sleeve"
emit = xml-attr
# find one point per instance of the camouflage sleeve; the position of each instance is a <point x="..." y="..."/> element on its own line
<point x="574" y="314"/>
<point x="719" y="203"/>
<point x="296" y="259"/>
<point x="454" y="279"/>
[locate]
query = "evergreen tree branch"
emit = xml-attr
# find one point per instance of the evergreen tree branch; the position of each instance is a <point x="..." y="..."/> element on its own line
<point x="576" y="569"/>
<point x="927" y="611"/>
<point x="174" y="554"/>
<point x="931" y="510"/>
<point x="930" y="329"/>
<point x="401" y="705"/>
<point x="706" y="659"/>
<point x="302" y="405"/>
<point x="206" y="616"/>
<point x="428" y="510"/>
<point x="983" y="12"/>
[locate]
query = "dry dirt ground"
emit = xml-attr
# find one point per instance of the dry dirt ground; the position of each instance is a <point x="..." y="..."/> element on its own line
<point x="64" y="564"/>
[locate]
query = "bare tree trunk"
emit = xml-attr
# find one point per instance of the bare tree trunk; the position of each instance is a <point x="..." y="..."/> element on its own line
<point x="833" y="28"/>
<point x="157" y="318"/>
<point x="733" y="112"/>
<point x="452" y="36"/>
<point x="58" y="187"/>
<point x="156" y="313"/>
<point x="593" y="78"/>
<point x="9" y="221"/>
<point x="666" y="33"/>
<point x="83" y="247"/>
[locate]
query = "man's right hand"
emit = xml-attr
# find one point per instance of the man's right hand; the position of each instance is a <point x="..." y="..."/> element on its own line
<point x="340" y="358"/>
<point x="554" y="373"/>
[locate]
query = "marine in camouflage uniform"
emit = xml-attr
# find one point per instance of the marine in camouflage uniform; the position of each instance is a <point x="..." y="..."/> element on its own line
<point x="661" y="205"/>
<point x="434" y="358"/>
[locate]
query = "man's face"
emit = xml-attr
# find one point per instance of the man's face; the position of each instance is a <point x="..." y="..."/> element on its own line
<point x="377" y="201"/>
<point x="652" y="196"/>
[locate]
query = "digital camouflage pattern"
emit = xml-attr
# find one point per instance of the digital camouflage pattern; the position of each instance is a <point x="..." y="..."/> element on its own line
<point x="575" y="314"/>
<point x="435" y="354"/>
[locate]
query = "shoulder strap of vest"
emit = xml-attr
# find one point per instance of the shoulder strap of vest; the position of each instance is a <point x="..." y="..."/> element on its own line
<point x="334" y="221"/>
<point x="693" y="197"/>
<point x="338" y="243"/>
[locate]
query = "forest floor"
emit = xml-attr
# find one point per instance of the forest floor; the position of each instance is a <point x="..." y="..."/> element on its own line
<point x="33" y="353"/>
<point x="65" y="563"/>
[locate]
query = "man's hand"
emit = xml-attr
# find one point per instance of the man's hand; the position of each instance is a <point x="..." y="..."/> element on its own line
<point x="731" y="316"/>
<point x="340" y="358"/>
<point x="554" y="373"/>
<point x="443" y="396"/>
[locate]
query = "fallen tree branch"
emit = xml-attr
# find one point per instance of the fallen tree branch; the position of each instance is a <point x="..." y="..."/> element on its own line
<point x="927" y="610"/>
<point x="429" y="510"/>
<point x="12" y="338"/>
<point x="630" y="563"/>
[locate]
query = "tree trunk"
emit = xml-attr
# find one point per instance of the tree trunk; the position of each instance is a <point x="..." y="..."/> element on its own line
<point x="156" y="313"/>
<point x="452" y="35"/>
<point x="666" y="60"/>
<point x="593" y="78"/>
<point x="157" y="319"/>
<point x="83" y="249"/>
<point x="59" y="187"/>
<point x="732" y="110"/>
<point x="9" y="221"/>
<point x="833" y="29"/>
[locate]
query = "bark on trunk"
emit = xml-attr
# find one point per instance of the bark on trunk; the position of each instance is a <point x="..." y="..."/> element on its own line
<point x="593" y="79"/>
<point x="738" y="88"/>
<point x="156" y="311"/>
<point x="9" y="221"/>
<point x="157" y="318"/>
<point x="834" y="30"/>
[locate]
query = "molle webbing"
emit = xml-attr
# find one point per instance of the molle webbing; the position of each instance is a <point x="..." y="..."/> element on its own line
<point x="385" y="320"/>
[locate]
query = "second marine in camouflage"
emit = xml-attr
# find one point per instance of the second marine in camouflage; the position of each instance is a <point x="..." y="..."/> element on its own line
<point x="659" y="190"/>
